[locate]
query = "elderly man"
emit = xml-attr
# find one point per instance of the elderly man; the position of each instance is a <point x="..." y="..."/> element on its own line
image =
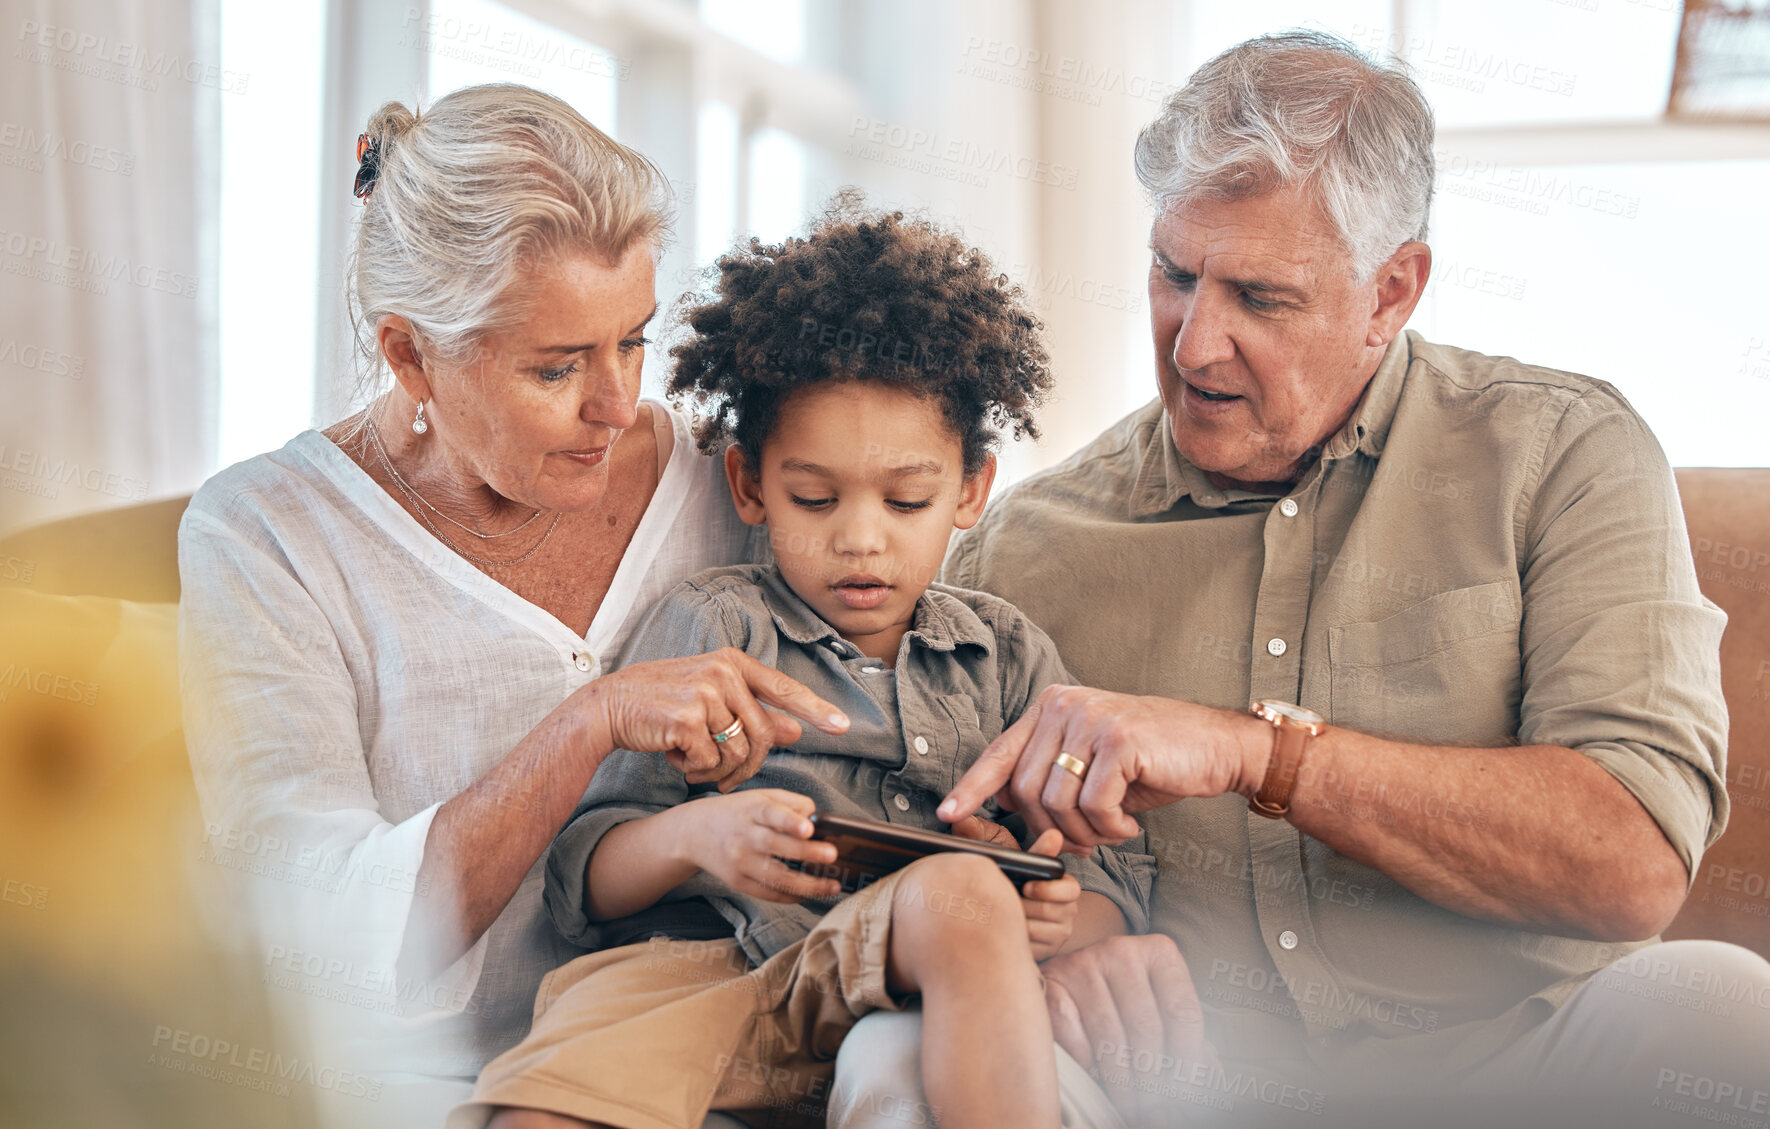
<point x="1485" y="754"/>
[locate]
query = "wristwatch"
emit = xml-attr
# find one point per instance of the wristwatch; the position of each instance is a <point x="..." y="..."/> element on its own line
<point x="1292" y="726"/>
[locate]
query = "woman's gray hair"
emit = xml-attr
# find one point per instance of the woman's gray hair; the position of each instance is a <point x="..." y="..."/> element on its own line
<point x="472" y="194"/>
<point x="1300" y="108"/>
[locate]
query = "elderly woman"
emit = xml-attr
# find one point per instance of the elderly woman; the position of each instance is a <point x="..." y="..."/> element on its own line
<point x="393" y="631"/>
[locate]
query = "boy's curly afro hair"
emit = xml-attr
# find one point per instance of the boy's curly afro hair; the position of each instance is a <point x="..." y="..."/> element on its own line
<point x="866" y="296"/>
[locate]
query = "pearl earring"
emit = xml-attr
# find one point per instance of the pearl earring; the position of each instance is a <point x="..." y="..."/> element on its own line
<point x="419" y="427"/>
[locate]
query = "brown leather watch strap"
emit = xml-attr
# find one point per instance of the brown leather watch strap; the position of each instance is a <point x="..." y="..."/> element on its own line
<point x="1289" y="739"/>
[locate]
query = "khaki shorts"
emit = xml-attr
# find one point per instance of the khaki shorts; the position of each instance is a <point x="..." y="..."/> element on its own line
<point x="654" y="1035"/>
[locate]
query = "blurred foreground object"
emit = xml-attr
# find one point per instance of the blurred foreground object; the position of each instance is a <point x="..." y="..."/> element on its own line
<point x="123" y="1008"/>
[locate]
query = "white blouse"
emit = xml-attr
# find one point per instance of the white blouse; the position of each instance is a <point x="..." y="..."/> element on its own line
<point x="345" y="673"/>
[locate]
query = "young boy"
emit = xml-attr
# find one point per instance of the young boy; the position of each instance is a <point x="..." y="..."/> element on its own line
<point x="854" y="378"/>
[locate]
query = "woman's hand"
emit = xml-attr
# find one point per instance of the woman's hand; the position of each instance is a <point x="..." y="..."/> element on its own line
<point x="1050" y="907"/>
<point x="741" y="839"/>
<point x="675" y="706"/>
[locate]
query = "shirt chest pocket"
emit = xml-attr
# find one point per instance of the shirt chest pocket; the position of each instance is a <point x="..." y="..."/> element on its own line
<point x="1444" y="670"/>
<point x="962" y="728"/>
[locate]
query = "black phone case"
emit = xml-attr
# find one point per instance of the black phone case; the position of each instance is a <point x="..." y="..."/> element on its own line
<point x="867" y="850"/>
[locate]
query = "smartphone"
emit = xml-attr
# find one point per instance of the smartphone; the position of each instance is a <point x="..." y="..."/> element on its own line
<point x="867" y="850"/>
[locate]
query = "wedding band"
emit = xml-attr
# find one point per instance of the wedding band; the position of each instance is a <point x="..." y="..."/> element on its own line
<point x="1071" y="764"/>
<point x="730" y="731"/>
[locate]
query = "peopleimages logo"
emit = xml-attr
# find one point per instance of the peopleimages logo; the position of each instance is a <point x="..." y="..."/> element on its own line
<point x="1463" y="66"/>
<point x="52" y="362"/>
<point x="55" y="147"/>
<point x="504" y="48"/>
<point x="1722" y="1101"/>
<point x="52" y="472"/>
<point x="297" y="864"/>
<point x="1068" y="77"/>
<point x="338" y="980"/>
<point x="95" y="266"/>
<point x="88" y="53"/>
<point x="925" y="151"/>
<point x="250" y="1067"/>
<point x="48" y="684"/>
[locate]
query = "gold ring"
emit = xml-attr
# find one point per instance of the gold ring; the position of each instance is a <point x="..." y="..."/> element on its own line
<point x="730" y="731"/>
<point x="1072" y="765"/>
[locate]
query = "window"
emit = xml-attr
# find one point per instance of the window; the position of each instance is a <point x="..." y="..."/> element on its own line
<point x="1641" y="272"/>
<point x="775" y="28"/>
<point x="1573" y="225"/>
<point x="270" y="136"/>
<point x="477" y="41"/>
<point x="1648" y="276"/>
<point x="777" y="185"/>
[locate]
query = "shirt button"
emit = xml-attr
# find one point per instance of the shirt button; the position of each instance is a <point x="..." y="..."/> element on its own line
<point x="922" y="745"/>
<point x="582" y="662"/>
<point x="1288" y="507"/>
<point x="870" y="669"/>
<point x="1287" y="940"/>
<point x="1275" y="647"/>
<point x="902" y="802"/>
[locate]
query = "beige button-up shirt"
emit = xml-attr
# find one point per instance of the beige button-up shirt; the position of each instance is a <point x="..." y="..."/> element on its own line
<point x="1487" y="553"/>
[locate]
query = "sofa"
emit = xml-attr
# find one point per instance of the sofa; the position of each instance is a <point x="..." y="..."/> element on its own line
<point x="100" y="930"/>
<point x="131" y="554"/>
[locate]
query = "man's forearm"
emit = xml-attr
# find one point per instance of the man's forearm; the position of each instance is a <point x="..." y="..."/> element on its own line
<point x="1538" y="837"/>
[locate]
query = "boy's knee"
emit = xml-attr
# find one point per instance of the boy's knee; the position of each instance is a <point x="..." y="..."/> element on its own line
<point x="963" y="873"/>
<point x="954" y="890"/>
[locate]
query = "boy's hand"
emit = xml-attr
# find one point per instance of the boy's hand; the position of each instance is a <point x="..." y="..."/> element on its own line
<point x="1050" y="906"/>
<point x="741" y="838"/>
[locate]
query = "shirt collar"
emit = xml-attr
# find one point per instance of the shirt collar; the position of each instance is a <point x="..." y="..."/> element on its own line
<point x="1368" y="428"/>
<point x="1164" y="476"/>
<point x="940" y="622"/>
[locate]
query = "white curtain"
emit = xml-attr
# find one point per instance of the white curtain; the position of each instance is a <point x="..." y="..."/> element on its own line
<point x="108" y="194"/>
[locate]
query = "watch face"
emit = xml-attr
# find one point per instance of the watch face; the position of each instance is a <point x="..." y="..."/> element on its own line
<point x="1290" y="713"/>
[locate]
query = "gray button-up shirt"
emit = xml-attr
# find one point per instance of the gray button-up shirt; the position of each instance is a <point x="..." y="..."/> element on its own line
<point x="968" y="666"/>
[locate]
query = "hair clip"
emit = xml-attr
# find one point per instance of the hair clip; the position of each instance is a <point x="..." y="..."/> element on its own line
<point x="368" y="156"/>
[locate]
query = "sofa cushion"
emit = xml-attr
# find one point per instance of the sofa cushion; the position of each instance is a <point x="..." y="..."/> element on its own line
<point x="96" y="804"/>
<point x="1728" y="512"/>
<point x="130" y="552"/>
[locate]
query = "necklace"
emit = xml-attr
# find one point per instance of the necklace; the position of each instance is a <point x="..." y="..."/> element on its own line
<point x="411" y="493"/>
<point x="419" y="505"/>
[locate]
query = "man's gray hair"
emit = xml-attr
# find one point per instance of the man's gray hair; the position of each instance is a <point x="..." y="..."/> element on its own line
<point x="1300" y="108"/>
